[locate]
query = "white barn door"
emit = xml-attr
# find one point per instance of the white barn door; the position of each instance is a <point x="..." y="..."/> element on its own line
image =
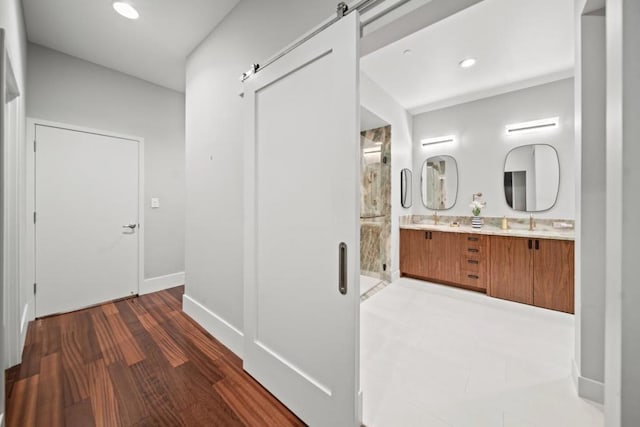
<point x="302" y="236"/>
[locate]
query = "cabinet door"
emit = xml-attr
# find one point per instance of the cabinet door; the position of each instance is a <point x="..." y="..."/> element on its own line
<point x="553" y="277"/>
<point x="511" y="269"/>
<point x="413" y="252"/>
<point x="444" y="257"/>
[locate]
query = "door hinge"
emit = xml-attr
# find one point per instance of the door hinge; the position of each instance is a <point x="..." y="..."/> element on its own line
<point x="35" y="288"/>
<point x="34" y="217"/>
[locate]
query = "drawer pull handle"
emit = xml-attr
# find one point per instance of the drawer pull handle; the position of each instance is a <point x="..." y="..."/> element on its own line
<point x="473" y="250"/>
<point x="473" y="261"/>
<point x="473" y="276"/>
<point x="472" y="239"/>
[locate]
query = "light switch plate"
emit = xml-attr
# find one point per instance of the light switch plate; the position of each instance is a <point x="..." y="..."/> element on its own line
<point x="155" y="202"/>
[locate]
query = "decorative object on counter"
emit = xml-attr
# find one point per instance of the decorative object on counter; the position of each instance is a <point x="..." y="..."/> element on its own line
<point x="505" y="223"/>
<point x="532" y="223"/>
<point x="476" y="208"/>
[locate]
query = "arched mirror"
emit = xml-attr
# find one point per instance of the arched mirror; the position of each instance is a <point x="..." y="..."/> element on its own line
<point x="532" y="178"/>
<point x="439" y="182"/>
<point x="406" y="188"/>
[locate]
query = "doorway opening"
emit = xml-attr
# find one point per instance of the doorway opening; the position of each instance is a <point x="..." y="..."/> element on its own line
<point x="467" y="331"/>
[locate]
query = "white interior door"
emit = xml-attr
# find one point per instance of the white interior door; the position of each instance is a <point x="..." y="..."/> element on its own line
<point x="87" y="224"/>
<point x="302" y="187"/>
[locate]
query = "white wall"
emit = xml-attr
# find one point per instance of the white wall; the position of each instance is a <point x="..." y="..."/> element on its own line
<point x="482" y="145"/>
<point x="11" y="20"/>
<point x="376" y="100"/>
<point x="622" y="350"/>
<point x="252" y="32"/>
<point x="590" y="154"/>
<point x="73" y="91"/>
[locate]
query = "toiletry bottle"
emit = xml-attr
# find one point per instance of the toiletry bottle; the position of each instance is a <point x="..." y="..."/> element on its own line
<point x="505" y="224"/>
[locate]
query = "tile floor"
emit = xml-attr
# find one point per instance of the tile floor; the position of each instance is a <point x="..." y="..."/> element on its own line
<point x="367" y="283"/>
<point x="437" y="356"/>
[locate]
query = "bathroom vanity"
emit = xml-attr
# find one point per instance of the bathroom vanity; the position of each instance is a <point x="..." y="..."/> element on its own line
<point x="530" y="267"/>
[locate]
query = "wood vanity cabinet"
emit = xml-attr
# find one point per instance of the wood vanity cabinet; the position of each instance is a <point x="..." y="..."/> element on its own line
<point x="474" y="261"/>
<point x="413" y="245"/>
<point x="431" y="255"/>
<point x="511" y="269"/>
<point x="553" y="275"/>
<point x="539" y="272"/>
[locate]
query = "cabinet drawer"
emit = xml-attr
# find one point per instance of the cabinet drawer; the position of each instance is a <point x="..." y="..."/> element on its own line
<point x="475" y="264"/>
<point x="477" y="279"/>
<point x="474" y="251"/>
<point x="474" y="245"/>
<point x="476" y="239"/>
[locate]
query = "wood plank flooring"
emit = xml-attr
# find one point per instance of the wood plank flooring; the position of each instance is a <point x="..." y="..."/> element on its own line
<point x="136" y="362"/>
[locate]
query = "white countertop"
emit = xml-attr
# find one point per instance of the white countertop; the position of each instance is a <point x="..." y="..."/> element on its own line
<point x="554" y="234"/>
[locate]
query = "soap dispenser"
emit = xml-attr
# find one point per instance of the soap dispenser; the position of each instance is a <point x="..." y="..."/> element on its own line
<point x="505" y="223"/>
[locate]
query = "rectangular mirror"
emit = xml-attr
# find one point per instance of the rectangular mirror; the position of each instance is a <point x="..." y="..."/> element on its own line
<point x="532" y="178"/>
<point x="439" y="182"/>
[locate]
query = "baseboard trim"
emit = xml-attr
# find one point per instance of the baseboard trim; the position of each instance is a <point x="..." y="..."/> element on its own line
<point x="395" y="275"/>
<point x="587" y="388"/>
<point x="160" y="283"/>
<point x="222" y="330"/>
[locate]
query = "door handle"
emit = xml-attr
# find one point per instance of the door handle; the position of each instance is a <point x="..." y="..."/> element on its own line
<point x="537" y="245"/>
<point x="342" y="268"/>
<point x="130" y="226"/>
<point x="530" y="244"/>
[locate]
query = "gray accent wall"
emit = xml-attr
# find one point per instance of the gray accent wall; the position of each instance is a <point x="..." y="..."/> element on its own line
<point x="482" y="146"/>
<point x="69" y="90"/>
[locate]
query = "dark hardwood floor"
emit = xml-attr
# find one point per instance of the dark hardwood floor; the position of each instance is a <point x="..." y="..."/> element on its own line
<point x="136" y="362"/>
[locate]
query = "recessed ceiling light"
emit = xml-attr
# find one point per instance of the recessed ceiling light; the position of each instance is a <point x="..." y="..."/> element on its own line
<point x="467" y="63"/>
<point x="126" y="10"/>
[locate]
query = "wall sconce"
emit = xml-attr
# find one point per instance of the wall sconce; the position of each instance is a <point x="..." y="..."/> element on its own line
<point x="533" y="126"/>
<point x="438" y="140"/>
<point x="374" y="150"/>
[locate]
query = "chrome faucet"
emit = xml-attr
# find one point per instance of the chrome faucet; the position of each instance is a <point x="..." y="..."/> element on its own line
<point x="436" y="218"/>
<point x="532" y="223"/>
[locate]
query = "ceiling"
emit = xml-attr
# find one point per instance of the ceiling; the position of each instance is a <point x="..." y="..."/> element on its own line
<point x="369" y="120"/>
<point x="517" y="44"/>
<point x="153" y="48"/>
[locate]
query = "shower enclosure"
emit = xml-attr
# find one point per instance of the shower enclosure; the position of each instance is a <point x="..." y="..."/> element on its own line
<point x="375" y="203"/>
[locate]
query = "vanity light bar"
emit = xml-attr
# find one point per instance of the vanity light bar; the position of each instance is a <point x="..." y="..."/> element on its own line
<point x="438" y="140"/>
<point x="533" y="125"/>
<point x="372" y="150"/>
